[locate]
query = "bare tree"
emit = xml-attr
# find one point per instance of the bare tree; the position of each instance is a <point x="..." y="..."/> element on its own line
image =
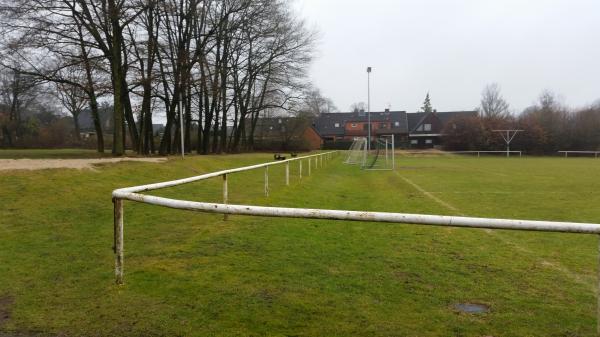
<point x="74" y="100"/>
<point x="493" y="105"/>
<point x="359" y="106"/>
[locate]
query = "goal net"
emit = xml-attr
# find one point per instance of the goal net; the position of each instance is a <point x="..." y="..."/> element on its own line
<point x="356" y="153"/>
<point x="381" y="156"/>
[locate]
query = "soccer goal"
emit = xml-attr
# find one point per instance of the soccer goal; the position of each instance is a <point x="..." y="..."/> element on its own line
<point x="381" y="155"/>
<point x="356" y="152"/>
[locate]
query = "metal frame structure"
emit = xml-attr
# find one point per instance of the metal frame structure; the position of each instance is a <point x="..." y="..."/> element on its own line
<point x="508" y="137"/>
<point x="356" y="150"/>
<point x="480" y="152"/>
<point x="595" y="153"/>
<point x="387" y="141"/>
<point x="134" y="194"/>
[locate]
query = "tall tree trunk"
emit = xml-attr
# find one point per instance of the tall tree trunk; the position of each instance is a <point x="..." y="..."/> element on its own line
<point x="118" y="77"/>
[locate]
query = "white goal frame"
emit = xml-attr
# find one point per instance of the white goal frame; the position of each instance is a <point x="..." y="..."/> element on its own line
<point x="390" y="154"/>
<point x="135" y="194"/>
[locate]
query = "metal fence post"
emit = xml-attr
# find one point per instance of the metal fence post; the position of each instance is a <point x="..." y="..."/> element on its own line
<point x="287" y="173"/>
<point x="118" y="232"/>
<point x="225" y="194"/>
<point x="266" y="181"/>
<point x="393" y="153"/>
<point x="300" y="170"/>
<point x="309" y="166"/>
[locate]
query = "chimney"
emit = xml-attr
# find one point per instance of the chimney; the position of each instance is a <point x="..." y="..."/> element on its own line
<point x="387" y="109"/>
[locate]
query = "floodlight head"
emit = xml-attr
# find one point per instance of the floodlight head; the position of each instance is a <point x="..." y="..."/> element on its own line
<point x="368" y="69"/>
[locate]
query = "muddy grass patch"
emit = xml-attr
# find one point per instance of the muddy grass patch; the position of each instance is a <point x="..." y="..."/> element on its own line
<point x="471" y="308"/>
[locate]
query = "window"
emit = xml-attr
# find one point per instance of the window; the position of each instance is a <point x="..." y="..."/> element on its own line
<point x="420" y="128"/>
<point x="279" y="121"/>
<point x="270" y="128"/>
<point x="427" y="127"/>
<point x="383" y="125"/>
<point x="414" y="141"/>
<point x="428" y="141"/>
<point x="353" y="125"/>
<point x="396" y="124"/>
<point x="337" y="125"/>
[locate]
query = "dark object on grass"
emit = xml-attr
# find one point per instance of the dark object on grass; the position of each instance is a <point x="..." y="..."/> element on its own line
<point x="472" y="308"/>
<point x="277" y="156"/>
<point x="294" y="155"/>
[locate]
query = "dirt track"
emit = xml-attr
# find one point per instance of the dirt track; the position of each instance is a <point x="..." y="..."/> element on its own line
<point x="41" y="164"/>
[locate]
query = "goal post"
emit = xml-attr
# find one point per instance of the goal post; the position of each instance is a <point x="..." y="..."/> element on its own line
<point x="382" y="155"/>
<point x="356" y="152"/>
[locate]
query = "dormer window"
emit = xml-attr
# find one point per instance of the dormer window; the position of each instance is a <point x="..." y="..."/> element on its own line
<point x="396" y="124"/>
<point x="279" y="121"/>
<point x="427" y="127"/>
<point x="337" y="125"/>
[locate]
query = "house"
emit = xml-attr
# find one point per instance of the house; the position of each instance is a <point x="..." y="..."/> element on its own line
<point x="286" y="134"/>
<point x="425" y="129"/>
<point x="410" y="130"/>
<point x="345" y="126"/>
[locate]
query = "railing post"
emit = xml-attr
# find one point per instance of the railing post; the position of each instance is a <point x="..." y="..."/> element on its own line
<point x="225" y="195"/>
<point x="309" y="165"/>
<point x="287" y="173"/>
<point x="118" y="233"/>
<point x="598" y="294"/>
<point x="321" y="158"/>
<point x="300" y="169"/>
<point x="266" y="181"/>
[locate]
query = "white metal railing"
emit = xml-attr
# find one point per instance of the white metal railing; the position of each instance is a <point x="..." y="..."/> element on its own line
<point x="566" y="153"/>
<point x="480" y="152"/>
<point x="133" y="194"/>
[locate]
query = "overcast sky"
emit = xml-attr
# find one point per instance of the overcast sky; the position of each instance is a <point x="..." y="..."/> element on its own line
<point x="453" y="48"/>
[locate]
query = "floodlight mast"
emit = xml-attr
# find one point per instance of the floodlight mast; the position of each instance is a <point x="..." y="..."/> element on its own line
<point x="508" y="136"/>
<point x="369" y="106"/>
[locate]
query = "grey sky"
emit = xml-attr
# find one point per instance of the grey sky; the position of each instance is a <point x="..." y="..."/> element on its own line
<point x="453" y="48"/>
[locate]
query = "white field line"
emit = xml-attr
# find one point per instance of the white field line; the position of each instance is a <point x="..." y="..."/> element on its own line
<point x="583" y="280"/>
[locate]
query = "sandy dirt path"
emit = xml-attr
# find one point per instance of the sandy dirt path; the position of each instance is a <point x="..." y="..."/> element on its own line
<point x="41" y="164"/>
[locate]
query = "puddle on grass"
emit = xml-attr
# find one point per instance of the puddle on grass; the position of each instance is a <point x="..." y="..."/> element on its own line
<point x="471" y="308"/>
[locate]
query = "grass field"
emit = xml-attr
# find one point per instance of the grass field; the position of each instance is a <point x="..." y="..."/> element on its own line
<point x="192" y="274"/>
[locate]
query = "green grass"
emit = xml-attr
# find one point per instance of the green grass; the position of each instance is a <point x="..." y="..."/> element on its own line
<point x="192" y="274"/>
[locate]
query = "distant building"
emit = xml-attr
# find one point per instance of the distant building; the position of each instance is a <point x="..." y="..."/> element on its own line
<point x="412" y="130"/>
<point x="425" y="129"/>
<point x="344" y="126"/>
<point x="286" y="134"/>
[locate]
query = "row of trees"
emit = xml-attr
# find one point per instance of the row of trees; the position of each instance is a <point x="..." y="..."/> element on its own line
<point x="548" y="126"/>
<point x="218" y="64"/>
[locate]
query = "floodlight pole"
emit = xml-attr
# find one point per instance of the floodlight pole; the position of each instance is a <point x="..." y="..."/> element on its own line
<point x="369" y="106"/>
<point x="508" y="136"/>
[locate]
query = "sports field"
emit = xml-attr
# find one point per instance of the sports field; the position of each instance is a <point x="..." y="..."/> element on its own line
<point x="193" y="274"/>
